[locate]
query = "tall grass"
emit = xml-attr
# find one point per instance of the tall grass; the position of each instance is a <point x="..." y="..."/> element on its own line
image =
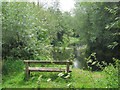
<point x="14" y="77"/>
<point x="12" y="66"/>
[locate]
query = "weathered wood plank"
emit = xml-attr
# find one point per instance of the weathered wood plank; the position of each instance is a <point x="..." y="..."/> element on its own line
<point x="27" y="70"/>
<point x="67" y="67"/>
<point x="48" y="62"/>
<point x="47" y="69"/>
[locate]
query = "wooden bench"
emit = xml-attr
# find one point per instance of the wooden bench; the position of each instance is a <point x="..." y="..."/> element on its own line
<point x="46" y="69"/>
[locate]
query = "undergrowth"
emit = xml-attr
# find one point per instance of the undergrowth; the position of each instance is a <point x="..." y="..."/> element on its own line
<point x="14" y="77"/>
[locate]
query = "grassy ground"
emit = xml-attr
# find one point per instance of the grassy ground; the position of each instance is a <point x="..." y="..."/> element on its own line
<point x="78" y="79"/>
<point x="14" y="77"/>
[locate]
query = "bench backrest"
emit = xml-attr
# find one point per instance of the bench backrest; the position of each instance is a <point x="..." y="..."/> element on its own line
<point x="48" y="62"/>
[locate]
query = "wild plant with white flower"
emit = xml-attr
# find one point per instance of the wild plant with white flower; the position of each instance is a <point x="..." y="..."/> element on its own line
<point x="49" y="80"/>
<point x="60" y="74"/>
<point x="39" y="79"/>
<point x="67" y="76"/>
<point x="69" y="84"/>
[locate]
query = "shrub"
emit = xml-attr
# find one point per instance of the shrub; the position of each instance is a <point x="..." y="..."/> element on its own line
<point x="111" y="74"/>
<point x="110" y="71"/>
<point x="11" y="66"/>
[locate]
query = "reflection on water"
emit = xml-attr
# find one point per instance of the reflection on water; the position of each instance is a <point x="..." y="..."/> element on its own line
<point x="80" y="61"/>
<point x="77" y="64"/>
<point x="63" y="54"/>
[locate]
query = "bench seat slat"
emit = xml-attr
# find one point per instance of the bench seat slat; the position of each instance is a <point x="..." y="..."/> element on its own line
<point x="46" y="69"/>
<point x="48" y="62"/>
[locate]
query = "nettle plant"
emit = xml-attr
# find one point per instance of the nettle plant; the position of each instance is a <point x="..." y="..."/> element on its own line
<point x="111" y="74"/>
<point x="90" y="60"/>
<point x="109" y="71"/>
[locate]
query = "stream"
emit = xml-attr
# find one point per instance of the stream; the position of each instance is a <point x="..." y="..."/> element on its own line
<point x="63" y="54"/>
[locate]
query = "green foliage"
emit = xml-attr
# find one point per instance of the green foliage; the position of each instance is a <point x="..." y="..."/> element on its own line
<point x="92" y="60"/>
<point x="108" y="78"/>
<point x="30" y="30"/>
<point x="114" y="25"/>
<point x="60" y="53"/>
<point x="15" y="14"/>
<point x="10" y="66"/>
<point x="109" y="71"/>
<point x="74" y="40"/>
<point x="111" y="74"/>
<point x="98" y="26"/>
<point x="113" y="45"/>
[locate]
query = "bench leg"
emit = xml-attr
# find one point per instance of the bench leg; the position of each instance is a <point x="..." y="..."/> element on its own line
<point x="27" y="73"/>
<point x="67" y="68"/>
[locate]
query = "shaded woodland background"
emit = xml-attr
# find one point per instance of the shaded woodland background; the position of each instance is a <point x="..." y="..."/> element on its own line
<point x="34" y="32"/>
<point x="28" y="29"/>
